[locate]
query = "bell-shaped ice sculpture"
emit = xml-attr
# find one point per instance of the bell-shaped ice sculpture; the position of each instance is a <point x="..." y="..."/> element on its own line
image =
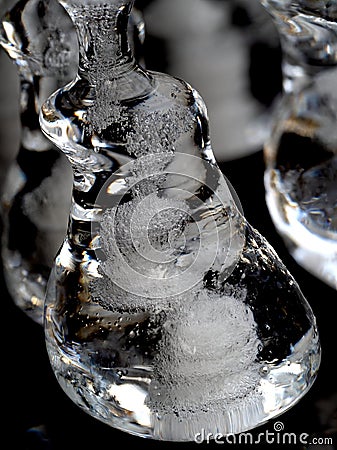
<point x="166" y="313"/>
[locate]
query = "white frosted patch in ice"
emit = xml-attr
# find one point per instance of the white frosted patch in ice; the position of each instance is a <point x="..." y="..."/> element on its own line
<point x="106" y="109"/>
<point x="207" y="355"/>
<point x="146" y="131"/>
<point x="159" y="130"/>
<point x="166" y="237"/>
<point x="156" y="246"/>
<point x="150" y="218"/>
<point x="142" y="242"/>
<point x="48" y="205"/>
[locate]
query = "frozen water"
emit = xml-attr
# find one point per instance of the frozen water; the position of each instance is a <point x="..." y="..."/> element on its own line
<point x="141" y="301"/>
<point x="316" y="193"/>
<point x="143" y="242"/>
<point x="163" y="241"/>
<point x="150" y="225"/>
<point x="158" y="131"/>
<point x="207" y="356"/>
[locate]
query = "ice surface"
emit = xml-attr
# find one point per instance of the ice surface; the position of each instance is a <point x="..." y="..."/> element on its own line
<point x="142" y="241"/>
<point x="157" y="131"/>
<point x="159" y="245"/>
<point x="313" y="191"/>
<point x="105" y="109"/>
<point x="317" y="193"/>
<point x="150" y="220"/>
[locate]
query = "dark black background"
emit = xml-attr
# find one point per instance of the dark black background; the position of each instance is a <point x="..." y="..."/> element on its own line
<point x="36" y="412"/>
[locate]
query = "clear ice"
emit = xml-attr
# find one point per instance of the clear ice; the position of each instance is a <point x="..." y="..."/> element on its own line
<point x="166" y="313"/>
<point x="301" y="157"/>
<point x="40" y="39"/>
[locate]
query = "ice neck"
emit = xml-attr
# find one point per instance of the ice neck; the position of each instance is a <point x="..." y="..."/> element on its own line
<point x="308" y="33"/>
<point x="103" y="38"/>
